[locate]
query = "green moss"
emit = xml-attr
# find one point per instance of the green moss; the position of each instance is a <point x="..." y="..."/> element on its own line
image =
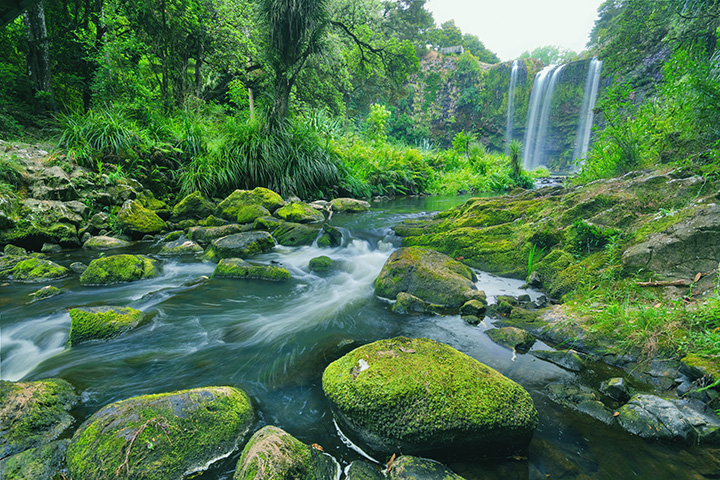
<point x="299" y="212"/>
<point x="138" y="220"/>
<point x="295" y="234"/>
<point x="414" y="468"/>
<point x="272" y="453"/>
<point x="193" y="206"/>
<point x="321" y="264"/>
<point x="249" y="213"/>
<point x="119" y="269"/>
<point x="160" y="436"/>
<point x="33" y="413"/>
<point x="102" y="323"/>
<point x="230" y="207"/>
<point x="706" y="365"/>
<point x="237" y="268"/>
<point x="267" y="223"/>
<point x="44" y="462"/>
<point x="417" y="395"/>
<point x="512" y="338"/>
<point x="240" y="245"/>
<point x="37" y="270"/>
<point x="45" y="292"/>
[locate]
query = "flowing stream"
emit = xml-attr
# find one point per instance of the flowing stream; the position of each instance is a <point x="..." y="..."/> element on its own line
<point x="274" y="341"/>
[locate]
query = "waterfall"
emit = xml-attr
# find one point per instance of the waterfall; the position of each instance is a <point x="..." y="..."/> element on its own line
<point x="592" y="83"/>
<point x="511" y="105"/>
<point x="539" y="116"/>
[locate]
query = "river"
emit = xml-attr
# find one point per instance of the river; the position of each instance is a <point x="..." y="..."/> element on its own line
<point x="274" y="341"/>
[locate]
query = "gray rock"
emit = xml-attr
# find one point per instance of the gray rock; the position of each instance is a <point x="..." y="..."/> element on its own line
<point x="617" y="389"/>
<point x="568" y="359"/>
<point x="408" y="304"/>
<point x="51" y="248"/>
<point x="581" y="399"/>
<point x="295" y="234"/>
<point x="181" y="246"/>
<point x="104" y="243"/>
<point x="685" y="421"/>
<point x="361" y="470"/>
<point x="78" y="267"/>
<point x="205" y="235"/>
<point x="512" y="338"/>
<point x="44" y="462"/>
<point x="240" y="245"/>
<point x="349" y="205"/>
<point x="412" y="468"/>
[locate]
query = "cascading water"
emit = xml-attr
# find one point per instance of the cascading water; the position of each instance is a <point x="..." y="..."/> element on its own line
<point x="592" y="84"/>
<point x="539" y="116"/>
<point x="511" y="105"/>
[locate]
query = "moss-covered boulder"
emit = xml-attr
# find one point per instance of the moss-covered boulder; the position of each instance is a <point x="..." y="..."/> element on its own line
<point x="293" y="234"/>
<point x="205" y="235"/>
<point x="240" y="245"/>
<point x="349" y="205"/>
<point x="41" y="463"/>
<point x="512" y="338"/>
<point x="102" y="323"/>
<point x="407" y="467"/>
<point x="567" y="359"/>
<point x="238" y="268"/>
<point x="331" y="237"/>
<point x="267" y="223"/>
<point x="33" y="413"/>
<point x="362" y="470"/>
<point x="321" y="264"/>
<point x="48" y="291"/>
<point x="103" y="242"/>
<point x="165" y="436"/>
<point x="119" y="269"/>
<point x="431" y="276"/>
<point x="698" y="366"/>
<point x="299" y="212"/>
<point x="181" y="246"/>
<point x="193" y="206"/>
<point x="33" y="269"/>
<point x="419" y="396"/>
<point x="406" y="304"/>
<point x="231" y="206"/>
<point x="250" y="213"/>
<point x="136" y="220"/>
<point x="273" y="454"/>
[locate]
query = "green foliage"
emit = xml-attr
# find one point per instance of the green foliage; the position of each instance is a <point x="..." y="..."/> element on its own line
<point x="585" y="237"/>
<point x="550" y="55"/>
<point x="377" y="122"/>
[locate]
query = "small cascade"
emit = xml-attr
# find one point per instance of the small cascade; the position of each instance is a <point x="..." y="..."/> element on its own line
<point x="592" y="84"/>
<point x="511" y="106"/>
<point x="539" y="116"/>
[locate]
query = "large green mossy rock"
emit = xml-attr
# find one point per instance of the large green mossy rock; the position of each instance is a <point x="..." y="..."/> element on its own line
<point x="119" y="269"/>
<point x="512" y="338"/>
<point x="136" y="220"/>
<point x="193" y="206"/>
<point x="33" y="413"/>
<point x="250" y="213"/>
<point x="102" y="323"/>
<point x="181" y="246"/>
<point x="41" y="463"/>
<point x="293" y="234"/>
<point x="205" y="235"/>
<point x="238" y="268"/>
<point x="299" y="212"/>
<point x="233" y="204"/>
<point x="349" y="205"/>
<point x="419" y="396"/>
<point x="362" y="470"/>
<point x="160" y="437"/>
<point x="273" y="454"/>
<point x="240" y="245"/>
<point x="428" y="275"/>
<point x="104" y="243"/>
<point x="33" y="269"/>
<point x="412" y="468"/>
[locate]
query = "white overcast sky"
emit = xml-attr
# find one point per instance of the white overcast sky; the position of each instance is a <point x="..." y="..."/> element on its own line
<point x="509" y="27"/>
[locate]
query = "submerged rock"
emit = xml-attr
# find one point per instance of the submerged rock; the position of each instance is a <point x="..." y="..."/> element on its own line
<point x="238" y="268"/>
<point x="581" y="399"/>
<point x="431" y="276"/>
<point x="102" y="323"/>
<point x="295" y="234"/>
<point x="119" y="269"/>
<point x="568" y="359"/>
<point x="33" y="413"/>
<point x="271" y="453"/>
<point x="412" y="468"/>
<point x="104" y="243"/>
<point x="47" y="291"/>
<point x="299" y="212"/>
<point x="231" y="206"/>
<point x="40" y="463"/>
<point x="136" y="220"/>
<point x="321" y="264"/>
<point x="240" y="245"/>
<point x="684" y="421"/>
<point x="408" y="304"/>
<point x="164" y="436"/>
<point x="416" y="396"/>
<point x="349" y="205"/>
<point x="205" y="235"/>
<point x="331" y="237"/>
<point x="512" y="338"/>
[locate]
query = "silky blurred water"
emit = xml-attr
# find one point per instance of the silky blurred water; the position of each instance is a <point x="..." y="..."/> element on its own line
<point x="274" y="341"/>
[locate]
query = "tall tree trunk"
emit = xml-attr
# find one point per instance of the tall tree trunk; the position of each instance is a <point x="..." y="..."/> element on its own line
<point x="198" y="69"/>
<point x="39" y="57"/>
<point x="281" y="101"/>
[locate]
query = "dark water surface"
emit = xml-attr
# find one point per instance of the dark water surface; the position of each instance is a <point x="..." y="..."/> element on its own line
<point x="274" y="341"/>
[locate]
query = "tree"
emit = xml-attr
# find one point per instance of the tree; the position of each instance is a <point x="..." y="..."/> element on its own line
<point x="550" y="55"/>
<point x="448" y="35"/>
<point x="38" y="62"/>
<point x="473" y="45"/>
